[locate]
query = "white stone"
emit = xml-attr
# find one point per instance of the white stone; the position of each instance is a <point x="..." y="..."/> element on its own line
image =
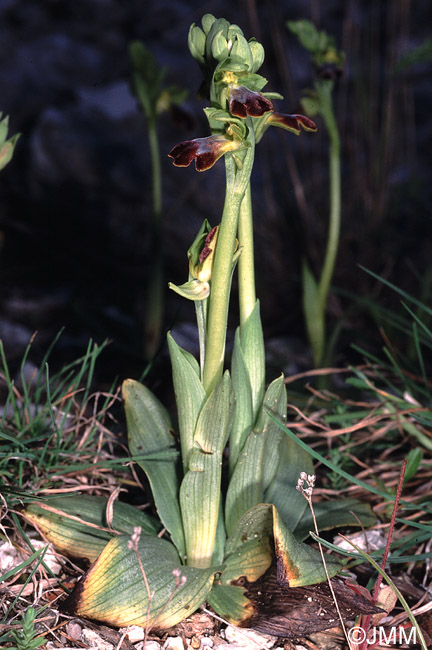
<point x="173" y="643"/>
<point x="249" y="638"/>
<point x="152" y="645"/>
<point x="134" y="633"/>
<point x="95" y="641"/>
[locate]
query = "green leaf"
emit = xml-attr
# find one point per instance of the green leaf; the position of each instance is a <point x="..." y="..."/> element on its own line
<point x="299" y="564"/>
<point x="275" y="402"/>
<point x="149" y="431"/>
<point x="201" y="487"/>
<point x="220" y="539"/>
<point x="332" y="514"/>
<point x="252" y="343"/>
<point x="190" y="396"/>
<point x="243" y="413"/>
<point x="258" y="460"/>
<point x="314" y="314"/>
<point x="230" y="603"/>
<point x="414" y="458"/>
<point x="245" y="487"/>
<point x="114" y="591"/>
<point x="77" y="524"/>
<point x="256" y="523"/>
<point x="251" y="560"/>
<point x="282" y="490"/>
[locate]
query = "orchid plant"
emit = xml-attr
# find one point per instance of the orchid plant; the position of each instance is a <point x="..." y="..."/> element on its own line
<point x="207" y="540"/>
<point x="328" y="62"/>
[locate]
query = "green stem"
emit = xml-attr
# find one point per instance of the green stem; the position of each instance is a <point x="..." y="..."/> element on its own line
<point x="153" y="319"/>
<point x="246" y="269"/>
<point x="324" y="90"/>
<point x="237" y="181"/>
<point x="156" y="171"/>
<point x="201" y="316"/>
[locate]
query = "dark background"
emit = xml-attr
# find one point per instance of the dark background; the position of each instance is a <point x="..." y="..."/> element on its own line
<point x="75" y="202"/>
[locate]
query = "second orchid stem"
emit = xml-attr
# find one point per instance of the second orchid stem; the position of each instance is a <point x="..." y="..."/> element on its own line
<point x="324" y="89"/>
<point x="246" y="272"/>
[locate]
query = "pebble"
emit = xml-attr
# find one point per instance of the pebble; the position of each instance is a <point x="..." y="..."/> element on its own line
<point x="249" y="639"/>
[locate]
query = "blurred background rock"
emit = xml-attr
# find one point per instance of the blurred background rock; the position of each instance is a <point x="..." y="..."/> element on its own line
<point x="75" y="202"/>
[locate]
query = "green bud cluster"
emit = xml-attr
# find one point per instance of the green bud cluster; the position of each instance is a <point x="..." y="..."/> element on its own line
<point x="218" y="41"/>
<point x="328" y="60"/>
<point x="147" y="82"/>
<point x="220" y="48"/>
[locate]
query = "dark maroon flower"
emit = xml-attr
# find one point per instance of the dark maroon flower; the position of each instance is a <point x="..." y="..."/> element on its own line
<point x="205" y="151"/>
<point x="244" y="102"/>
<point x="293" y="123"/>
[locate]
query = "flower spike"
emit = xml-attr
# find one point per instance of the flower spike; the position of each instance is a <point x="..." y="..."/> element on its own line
<point x="205" y="151"/>
<point x="293" y="123"/>
<point x="244" y="102"/>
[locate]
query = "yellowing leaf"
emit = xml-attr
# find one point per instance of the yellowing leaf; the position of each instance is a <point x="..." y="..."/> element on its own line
<point x="121" y="590"/>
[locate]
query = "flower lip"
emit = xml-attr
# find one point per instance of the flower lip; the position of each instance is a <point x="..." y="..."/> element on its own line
<point x="205" y="151"/>
<point x="293" y="123"/>
<point x="244" y="102"/>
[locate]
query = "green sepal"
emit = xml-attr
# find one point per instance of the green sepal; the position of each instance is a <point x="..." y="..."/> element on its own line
<point x="207" y="22"/>
<point x="314" y="314"/>
<point x="149" y="432"/>
<point x="201" y="486"/>
<point x="190" y="396"/>
<point x="218" y="119"/>
<point x="196" y="43"/>
<point x="219" y="46"/>
<point x="241" y="52"/>
<point x="218" y="29"/>
<point x="255" y="82"/>
<point x="192" y="290"/>
<point x="197" y="245"/>
<point x="258" y="54"/>
<point x="272" y="95"/>
<point x="77" y="524"/>
<point x="115" y="591"/>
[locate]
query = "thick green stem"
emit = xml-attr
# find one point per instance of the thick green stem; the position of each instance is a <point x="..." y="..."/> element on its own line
<point x="324" y="90"/>
<point x="246" y="269"/>
<point x="237" y="181"/>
